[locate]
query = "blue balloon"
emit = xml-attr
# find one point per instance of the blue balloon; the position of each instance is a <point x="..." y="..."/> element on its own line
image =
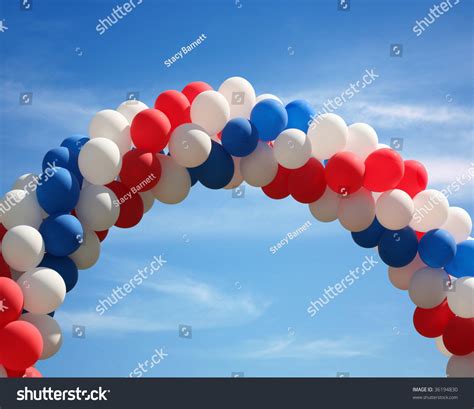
<point x="270" y="119"/>
<point x="369" y="237"/>
<point x="193" y="174"/>
<point x="74" y="144"/>
<point x="62" y="234"/>
<point x="62" y="157"/>
<point x="218" y="170"/>
<point x="58" y="191"/>
<point x="64" y="266"/>
<point x="239" y="137"/>
<point x="437" y="248"/>
<point x="462" y="265"/>
<point x="300" y="114"/>
<point x="397" y="248"/>
<point x="51" y="314"/>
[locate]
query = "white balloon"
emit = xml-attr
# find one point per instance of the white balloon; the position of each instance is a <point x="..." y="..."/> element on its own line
<point x="356" y="211"/>
<point x="382" y="146"/>
<point x="441" y="347"/>
<point x="174" y="184"/>
<point x="240" y="95"/>
<point x="3" y="372"/>
<point x="328" y="134"/>
<point x="148" y="200"/>
<point x="400" y="277"/>
<point x="98" y="208"/>
<point x="88" y="252"/>
<point x="461" y="299"/>
<point x="461" y="366"/>
<point x="237" y="179"/>
<point x="431" y="210"/>
<point x="29" y="182"/>
<point x="50" y="332"/>
<point x="459" y="224"/>
<point x="361" y="139"/>
<point x="111" y="125"/>
<point x="130" y="108"/>
<point x="211" y="111"/>
<point x="325" y="208"/>
<point x="15" y="274"/>
<point x="20" y="207"/>
<point x="394" y="209"/>
<point x="292" y="148"/>
<point x="189" y="145"/>
<point x="260" y="167"/>
<point x="268" y="96"/>
<point x="22" y="248"/>
<point x="43" y="290"/>
<point x="428" y="287"/>
<point x="100" y="161"/>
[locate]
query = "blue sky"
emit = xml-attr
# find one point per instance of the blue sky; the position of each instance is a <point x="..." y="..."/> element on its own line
<point x="247" y="307"/>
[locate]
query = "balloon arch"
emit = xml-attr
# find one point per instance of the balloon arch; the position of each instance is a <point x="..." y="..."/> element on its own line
<point x="52" y="224"/>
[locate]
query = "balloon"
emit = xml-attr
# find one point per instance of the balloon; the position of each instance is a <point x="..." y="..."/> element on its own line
<point x="88" y="253"/>
<point x="64" y="266"/>
<point x="218" y="170"/>
<point x="190" y="145"/>
<point x="104" y="152"/>
<point x="462" y="264"/>
<point x="3" y="372"/>
<point x="458" y="336"/>
<point x="328" y="134"/>
<point x="260" y="167"/>
<point x="74" y="145"/>
<point x="397" y="248"/>
<point x="32" y="372"/>
<point x="461" y="366"/>
<point x="427" y="287"/>
<point x="111" y="125"/>
<point x="431" y="322"/>
<point x="361" y="140"/>
<point x="431" y="210"/>
<point x="11" y="301"/>
<point x="240" y="95"/>
<point x="98" y="208"/>
<point x="384" y="170"/>
<point x="193" y="89"/>
<point x="62" y="234"/>
<point x="268" y="96"/>
<point x="131" y="205"/>
<point x="441" y="348"/>
<point x="459" y="224"/>
<point x="175" y="106"/>
<point x="4" y="269"/>
<point x="62" y="157"/>
<point x="300" y="114"/>
<point x="292" y="148"/>
<point x="140" y="171"/>
<point x="175" y="182"/>
<point x="325" y="208"/>
<point x="239" y="137"/>
<point x="193" y="174"/>
<point x="394" y="209"/>
<point x="22" y="248"/>
<point x="148" y="199"/>
<point x="101" y="235"/>
<point x="50" y="332"/>
<point x="270" y="119"/>
<point x="237" y="178"/>
<point x="371" y="236"/>
<point x="345" y="173"/>
<point x="43" y="290"/>
<point x="307" y="183"/>
<point x="437" y="248"/>
<point x="356" y="212"/>
<point x="130" y="108"/>
<point x="278" y="187"/>
<point x="20" y="345"/>
<point x="150" y="130"/>
<point x="210" y="110"/>
<point x="415" y="178"/>
<point x="20" y="207"/>
<point x="461" y="299"/>
<point x="400" y="277"/>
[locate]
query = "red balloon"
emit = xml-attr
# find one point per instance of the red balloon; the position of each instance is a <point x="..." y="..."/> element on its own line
<point x="140" y="171"/>
<point x="102" y="234"/>
<point x="383" y="170"/>
<point x="4" y="268"/>
<point x="21" y="345"/>
<point x="307" y="184"/>
<point x="278" y="187"/>
<point x="458" y="336"/>
<point x="175" y="105"/>
<point x="193" y="89"/>
<point x="15" y="374"/>
<point x="131" y="205"/>
<point x="30" y="372"/>
<point x="3" y="231"/>
<point x="431" y="322"/>
<point x="419" y="235"/>
<point x="415" y="178"/>
<point x="150" y="130"/>
<point x="345" y="173"/>
<point x="11" y="301"/>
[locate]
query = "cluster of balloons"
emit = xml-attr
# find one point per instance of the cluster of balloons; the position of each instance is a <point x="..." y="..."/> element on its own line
<point x="56" y="221"/>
